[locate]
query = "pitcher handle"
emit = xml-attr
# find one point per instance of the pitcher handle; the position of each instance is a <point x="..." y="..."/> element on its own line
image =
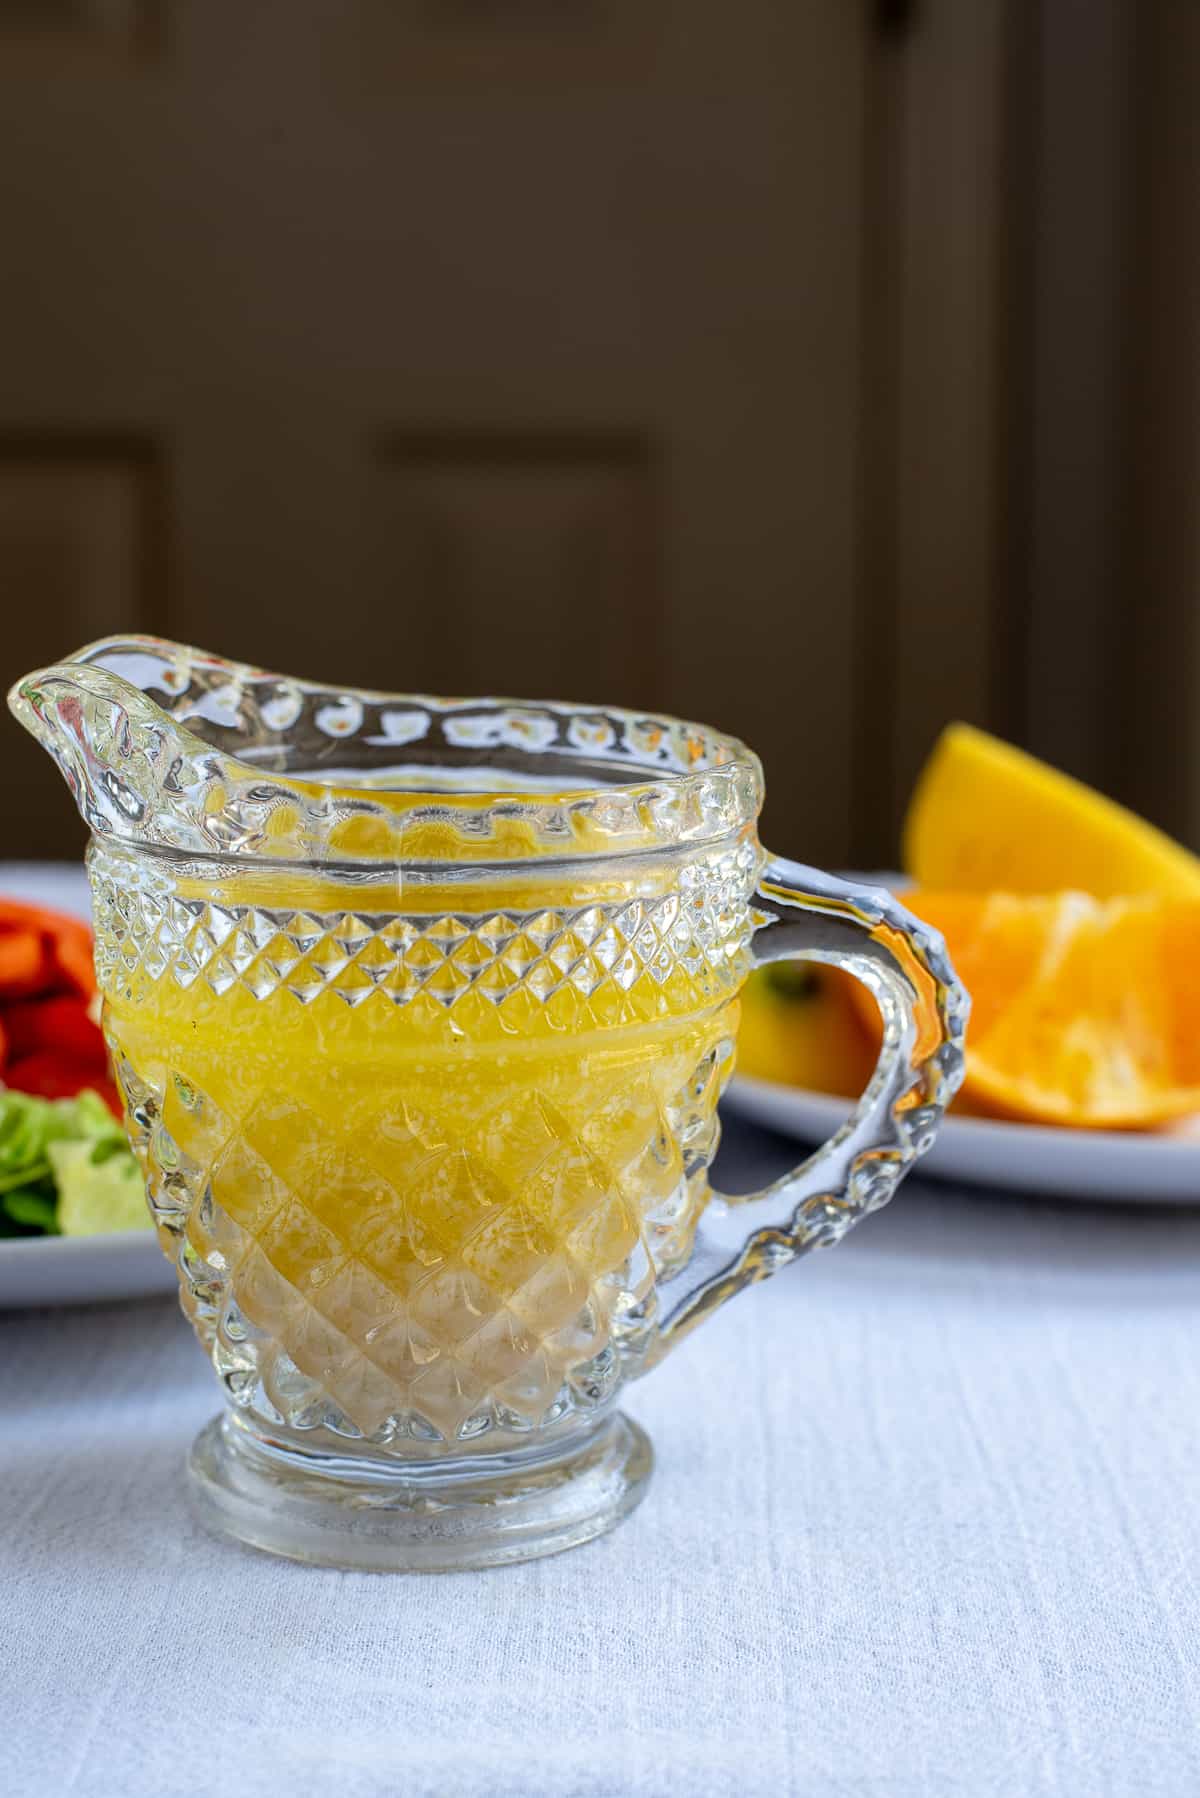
<point x="809" y="916"/>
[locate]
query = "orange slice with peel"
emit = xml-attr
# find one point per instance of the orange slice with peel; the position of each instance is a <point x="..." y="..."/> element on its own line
<point x="1084" y="1011"/>
<point x="985" y="816"/>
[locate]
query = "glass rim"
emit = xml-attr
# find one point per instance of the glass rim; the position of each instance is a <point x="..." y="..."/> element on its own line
<point x="169" y="746"/>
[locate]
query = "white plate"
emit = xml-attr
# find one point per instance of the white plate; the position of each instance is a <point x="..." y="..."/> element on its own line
<point x="82" y="1270"/>
<point x="1163" y="1169"/>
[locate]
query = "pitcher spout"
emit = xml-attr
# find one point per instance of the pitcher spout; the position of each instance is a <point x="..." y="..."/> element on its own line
<point x="169" y="747"/>
<point x="109" y="738"/>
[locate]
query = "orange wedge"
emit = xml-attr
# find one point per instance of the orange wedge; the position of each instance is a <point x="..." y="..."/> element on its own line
<point x="987" y="817"/>
<point x="1085" y="1012"/>
<point x="801" y="1026"/>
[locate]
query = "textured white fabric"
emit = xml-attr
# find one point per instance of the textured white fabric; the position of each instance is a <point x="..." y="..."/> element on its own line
<point x="924" y="1522"/>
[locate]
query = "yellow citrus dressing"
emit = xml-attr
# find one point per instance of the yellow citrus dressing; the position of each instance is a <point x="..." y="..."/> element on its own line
<point x="432" y="1196"/>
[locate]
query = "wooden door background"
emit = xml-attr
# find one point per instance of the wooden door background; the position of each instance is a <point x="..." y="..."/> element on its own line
<point x="667" y="352"/>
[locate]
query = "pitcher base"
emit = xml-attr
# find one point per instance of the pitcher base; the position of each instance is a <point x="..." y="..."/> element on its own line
<point x="422" y="1518"/>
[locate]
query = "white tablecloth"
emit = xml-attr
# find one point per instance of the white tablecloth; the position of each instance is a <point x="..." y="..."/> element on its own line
<point x="924" y="1521"/>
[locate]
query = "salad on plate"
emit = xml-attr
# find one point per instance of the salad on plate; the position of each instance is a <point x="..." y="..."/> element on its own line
<point x="65" y="1166"/>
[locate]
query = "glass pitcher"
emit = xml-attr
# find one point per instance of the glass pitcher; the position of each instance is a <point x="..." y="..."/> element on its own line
<point x="420" y="1010"/>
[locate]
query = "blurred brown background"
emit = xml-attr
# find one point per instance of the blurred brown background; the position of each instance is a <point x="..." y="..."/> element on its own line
<point x="819" y="368"/>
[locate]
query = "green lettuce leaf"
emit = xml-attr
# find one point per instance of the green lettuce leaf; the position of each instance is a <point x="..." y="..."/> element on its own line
<point x="33" y="1208"/>
<point x="65" y="1158"/>
<point x="97" y="1192"/>
<point x="27" y="1128"/>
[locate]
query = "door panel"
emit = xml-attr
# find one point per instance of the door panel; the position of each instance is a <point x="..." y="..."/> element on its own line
<point x="481" y="540"/>
<point x="931" y="646"/>
<point x="490" y="345"/>
<point x="80" y="551"/>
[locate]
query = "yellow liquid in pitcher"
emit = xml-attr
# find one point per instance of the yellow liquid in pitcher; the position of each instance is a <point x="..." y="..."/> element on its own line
<point x="429" y="1208"/>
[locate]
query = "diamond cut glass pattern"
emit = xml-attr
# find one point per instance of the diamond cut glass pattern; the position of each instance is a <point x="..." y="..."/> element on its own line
<point x="400" y="1242"/>
<point x="598" y="963"/>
